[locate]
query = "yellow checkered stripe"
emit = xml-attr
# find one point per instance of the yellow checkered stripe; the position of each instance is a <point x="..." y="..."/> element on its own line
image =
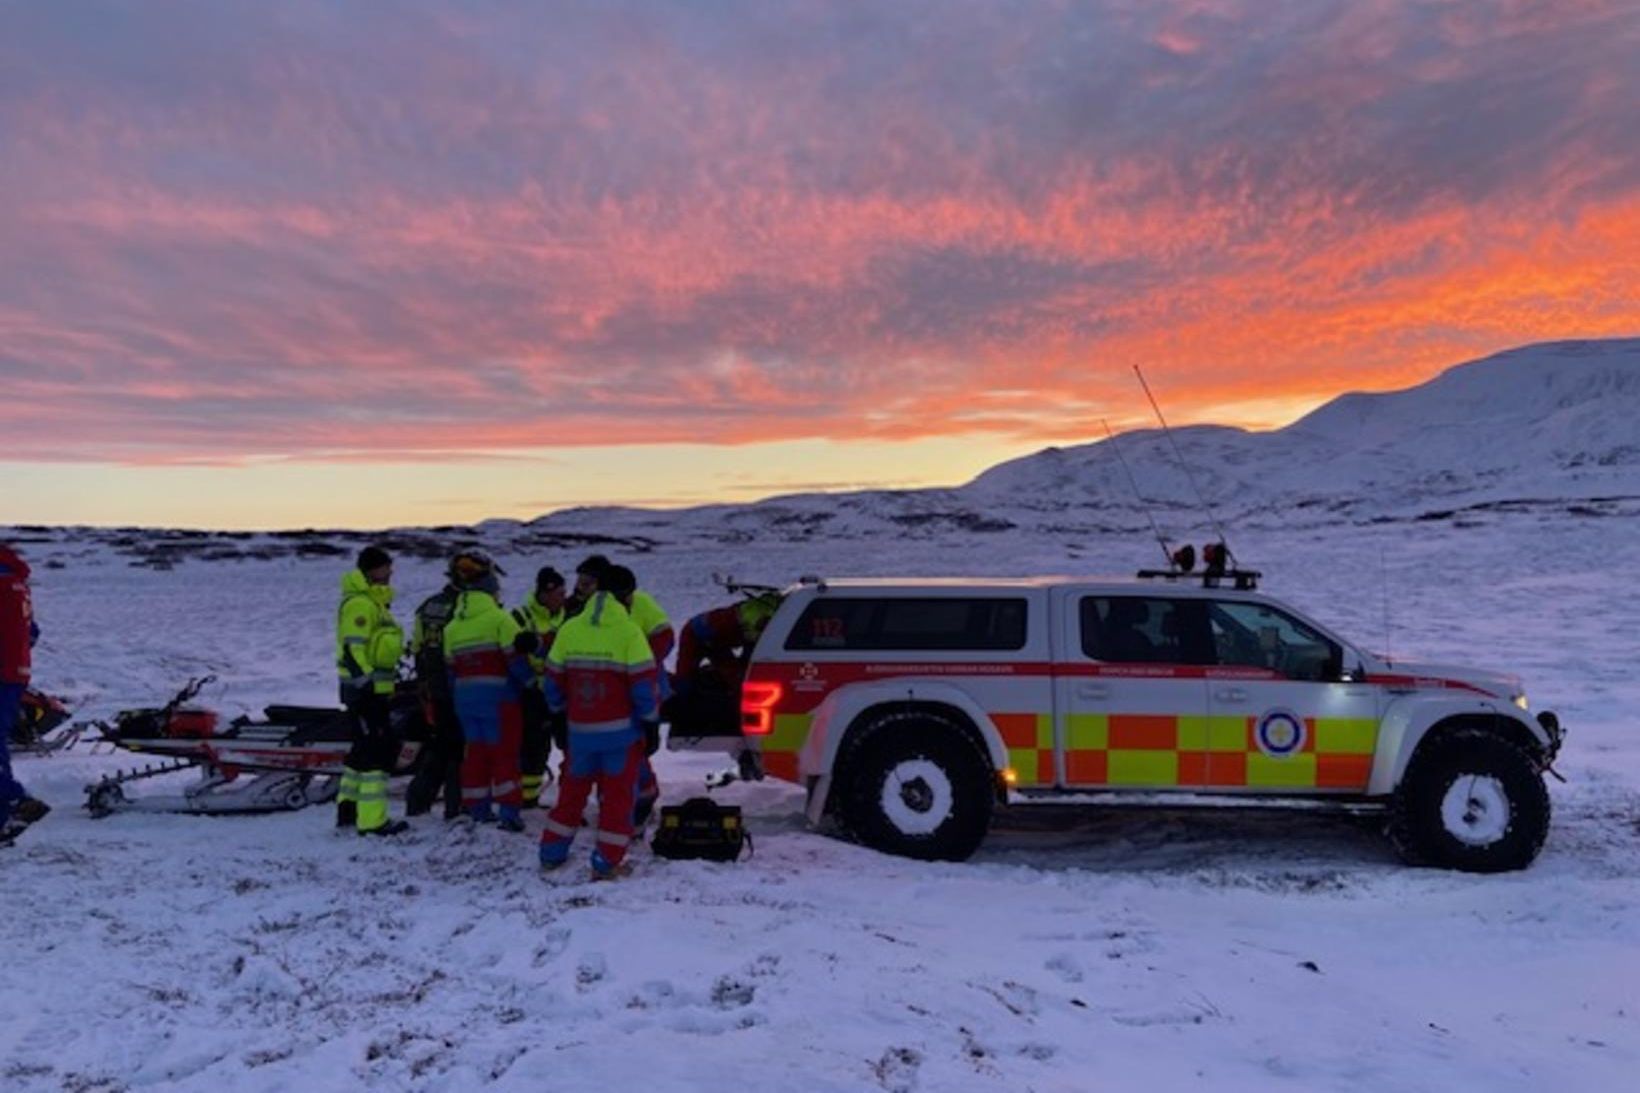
<point x="1143" y="750"/>
<point x="785" y="740"/>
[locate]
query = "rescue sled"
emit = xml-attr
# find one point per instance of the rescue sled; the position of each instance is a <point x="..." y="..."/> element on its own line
<point x="288" y="759"/>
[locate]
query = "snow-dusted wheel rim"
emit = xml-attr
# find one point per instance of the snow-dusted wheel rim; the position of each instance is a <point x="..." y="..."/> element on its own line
<point x="916" y="784"/>
<point x="1475" y="810"/>
<point x="1472" y="799"/>
<point x="917" y="797"/>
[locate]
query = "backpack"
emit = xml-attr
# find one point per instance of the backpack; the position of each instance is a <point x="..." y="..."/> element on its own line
<point x="701" y="828"/>
<point x="434" y="614"/>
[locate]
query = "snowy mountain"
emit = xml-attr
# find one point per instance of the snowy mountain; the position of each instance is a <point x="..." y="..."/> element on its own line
<point x="1553" y="427"/>
<point x="1558" y="421"/>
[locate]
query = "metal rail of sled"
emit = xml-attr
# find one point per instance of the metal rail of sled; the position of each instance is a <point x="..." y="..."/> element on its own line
<point x="215" y="793"/>
<point x="233" y="776"/>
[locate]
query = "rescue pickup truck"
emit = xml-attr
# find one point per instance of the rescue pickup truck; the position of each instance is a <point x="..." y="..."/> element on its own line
<point x="911" y="710"/>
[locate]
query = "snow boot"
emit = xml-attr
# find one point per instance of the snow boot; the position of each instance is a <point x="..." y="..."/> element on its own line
<point x="602" y="870"/>
<point x="30" y="810"/>
<point x="347" y="813"/>
<point x="511" y="820"/>
<point x="553" y="857"/>
<point x="391" y="827"/>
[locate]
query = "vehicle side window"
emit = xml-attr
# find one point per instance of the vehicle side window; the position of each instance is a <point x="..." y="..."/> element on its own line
<point x="1255" y="635"/>
<point x="1145" y="630"/>
<point x="912" y="624"/>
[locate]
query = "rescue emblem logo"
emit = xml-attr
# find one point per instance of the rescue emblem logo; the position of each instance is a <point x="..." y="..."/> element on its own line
<point x="1280" y="733"/>
<point x="808" y="678"/>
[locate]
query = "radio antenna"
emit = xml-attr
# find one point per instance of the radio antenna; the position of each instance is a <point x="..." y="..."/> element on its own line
<point x="1383" y="579"/>
<point x="1167" y="552"/>
<point x="1178" y="455"/>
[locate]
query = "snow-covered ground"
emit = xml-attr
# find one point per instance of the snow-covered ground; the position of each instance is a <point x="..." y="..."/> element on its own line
<point x="1080" y="950"/>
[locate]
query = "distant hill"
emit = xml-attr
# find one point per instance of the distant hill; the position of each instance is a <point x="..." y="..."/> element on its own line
<point x="1551" y="428"/>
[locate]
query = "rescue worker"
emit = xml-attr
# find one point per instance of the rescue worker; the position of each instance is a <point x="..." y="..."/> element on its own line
<point x="17" y="636"/>
<point x="487" y="655"/>
<point x="717" y="643"/>
<point x="652" y="620"/>
<point x="601" y="677"/>
<point x="368" y="645"/>
<point x="440" y="769"/>
<point x="586" y="583"/>
<point x="541" y="614"/>
<point x="657" y="631"/>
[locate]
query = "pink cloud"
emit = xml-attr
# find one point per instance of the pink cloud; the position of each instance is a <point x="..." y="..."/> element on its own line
<point x="473" y="230"/>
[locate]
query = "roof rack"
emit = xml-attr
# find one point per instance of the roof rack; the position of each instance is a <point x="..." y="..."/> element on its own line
<point x="1242" y="580"/>
<point x="1218" y="565"/>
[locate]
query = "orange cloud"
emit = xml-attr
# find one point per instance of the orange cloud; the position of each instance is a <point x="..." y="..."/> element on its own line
<point x="474" y="232"/>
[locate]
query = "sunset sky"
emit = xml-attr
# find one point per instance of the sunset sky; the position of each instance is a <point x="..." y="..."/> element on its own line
<point x="368" y="263"/>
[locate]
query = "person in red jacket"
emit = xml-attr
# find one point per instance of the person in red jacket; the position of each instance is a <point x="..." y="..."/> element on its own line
<point x="17" y="636"/>
<point x="601" y="680"/>
<point x="717" y="643"/>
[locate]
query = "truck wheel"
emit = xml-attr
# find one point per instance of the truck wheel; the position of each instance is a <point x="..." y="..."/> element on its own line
<point x="918" y="786"/>
<point x="1471" y="800"/>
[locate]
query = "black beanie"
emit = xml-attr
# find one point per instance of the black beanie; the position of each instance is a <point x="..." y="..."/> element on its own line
<point x="618" y="580"/>
<point x="548" y="577"/>
<point x="373" y="557"/>
<point x="595" y="565"/>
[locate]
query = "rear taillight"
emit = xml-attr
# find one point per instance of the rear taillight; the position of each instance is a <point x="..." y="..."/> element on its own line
<point x="757" y="703"/>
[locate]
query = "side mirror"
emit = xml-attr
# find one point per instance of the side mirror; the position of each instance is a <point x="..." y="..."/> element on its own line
<point x="1351" y="670"/>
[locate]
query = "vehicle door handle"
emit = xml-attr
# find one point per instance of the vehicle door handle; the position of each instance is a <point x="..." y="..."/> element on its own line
<point x="1230" y="694"/>
<point x="1092" y="690"/>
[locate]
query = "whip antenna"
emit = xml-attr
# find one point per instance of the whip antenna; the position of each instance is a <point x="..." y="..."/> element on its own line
<point x="1167" y="553"/>
<point x="1185" y="467"/>
<point x="1383" y="579"/>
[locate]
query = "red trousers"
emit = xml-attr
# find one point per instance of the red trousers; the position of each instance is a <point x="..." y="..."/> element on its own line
<point x="614" y="774"/>
<point x="489" y="771"/>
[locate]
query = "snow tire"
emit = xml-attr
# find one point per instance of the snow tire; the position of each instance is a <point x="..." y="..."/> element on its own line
<point x="1473" y="801"/>
<point x="918" y="785"/>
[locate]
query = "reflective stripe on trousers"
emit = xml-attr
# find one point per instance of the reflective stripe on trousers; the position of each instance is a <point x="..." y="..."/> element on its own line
<point x="557" y="831"/>
<point x="348" y="788"/>
<point x="372" y="800"/>
<point x="592" y="727"/>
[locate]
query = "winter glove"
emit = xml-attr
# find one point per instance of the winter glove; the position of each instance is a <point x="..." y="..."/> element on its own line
<point x="558" y="728"/>
<point x="527" y="642"/>
<point x="651" y="736"/>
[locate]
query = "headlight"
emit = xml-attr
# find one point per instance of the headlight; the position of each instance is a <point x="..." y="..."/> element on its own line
<point x="1520" y="700"/>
